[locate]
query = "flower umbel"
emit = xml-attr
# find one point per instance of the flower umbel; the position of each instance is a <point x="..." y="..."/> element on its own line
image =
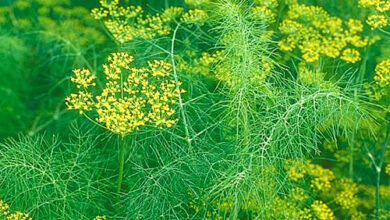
<point x="132" y="97"/>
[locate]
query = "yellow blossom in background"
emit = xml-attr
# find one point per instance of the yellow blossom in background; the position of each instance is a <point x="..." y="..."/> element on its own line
<point x="19" y="216"/>
<point x="322" y="211"/>
<point x="127" y="23"/>
<point x="350" y="55"/>
<point x="346" y="199"/>
<point x="322" y="177"/>
<point x="382" y="73"/>
<point x="132" y="97"/>
<point x="4" y="208"/>
<point x="298" y="195"/>
<point x="265" y="10"/>
<point x="387" y="169"/>
<point x="100" y="217"/>
<point x="377" y="21"/>
<point x="194" y="16"/>
<point x="295" y="170"/>
<point x="6" y="214"/>
<point x="314" y="32"/>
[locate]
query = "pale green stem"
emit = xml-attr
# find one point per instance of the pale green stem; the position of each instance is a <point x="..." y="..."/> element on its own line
<point x="121" y="164"/>
<point x="183" y="115"/>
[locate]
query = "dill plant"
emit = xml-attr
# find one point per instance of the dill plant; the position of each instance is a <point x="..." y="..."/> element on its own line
<point x="269" y="86"/>
<point x="271" y="119"/>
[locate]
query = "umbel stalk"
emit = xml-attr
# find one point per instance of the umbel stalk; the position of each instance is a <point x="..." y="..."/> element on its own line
<point x="121" y="163"/>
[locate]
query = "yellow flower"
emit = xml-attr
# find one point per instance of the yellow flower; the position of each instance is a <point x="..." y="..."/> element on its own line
<point x="346" y="199"/>
<point x="382" y="73"/>
<point x="194" y="16"/>
<point x="295" y="170"/>
<point x="4" y="208"/>
<point x="100" y="217"/>
<point x="350" y="55"/>
<point x="287" y="44"/>
<point x="132" y="97"/>
<point x="379" y="5"/>
<point x="322" y="177"/>
<point x="322" y="211"/>
<point x="387" y="169"/>
<point x="377" y="21"/>
<point x="314" y="32"/>
<point x="5" y="213"/>
<point x="127" y="23"/>
<point x="263" y="13"/>
<point x="19" y="216"/>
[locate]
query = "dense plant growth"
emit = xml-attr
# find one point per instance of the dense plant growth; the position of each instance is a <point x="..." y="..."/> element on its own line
<point x="194" y="109"/>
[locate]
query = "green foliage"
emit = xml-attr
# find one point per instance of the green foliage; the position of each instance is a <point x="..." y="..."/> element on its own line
<point x="276" y="120"/>
<point x="52" y="179"/>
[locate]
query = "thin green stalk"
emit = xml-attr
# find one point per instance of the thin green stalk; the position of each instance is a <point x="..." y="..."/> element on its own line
<point x="351" y="156"/>
<point x="359" y="79"/>
<point x="378" y="172"/>
<point x="121" y="164"/>
<point x="183" y="115"/>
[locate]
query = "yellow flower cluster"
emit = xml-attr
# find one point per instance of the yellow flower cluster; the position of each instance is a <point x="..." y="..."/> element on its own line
<point x="265" y="10"/>
<point x="382" y="73"/>
<point x="346" y="197"/>
<point x="377" y="21"/>
<point x="387" y="169"/>
<point x="132" y="97"/>
<point x="100" y="217"/>
<point x="350" y="55"/>
<point x="194" y="16"/>
<point x="127" y="23"/>
<point x="298" y="195"/>
<point x="379" y="18"/>
<point x="19" y="216"/>
<point x="285" y="208"/>
<point x="4" y="208"/>
<point x="322" y="211"/>
<point x="314" y="32"/>
<point x="295" y="170"/>
<point x="321" y="178"/>
<point x="382" y="79"/>
<point x="6" y="214"/>
<point x="75" y="27"/>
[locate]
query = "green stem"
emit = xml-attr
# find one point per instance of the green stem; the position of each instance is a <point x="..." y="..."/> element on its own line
<point x="121" y="164"/>
<point x="378" y="172"/>
<point x="351" y="156"/>
<point x="181" y="104"/>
